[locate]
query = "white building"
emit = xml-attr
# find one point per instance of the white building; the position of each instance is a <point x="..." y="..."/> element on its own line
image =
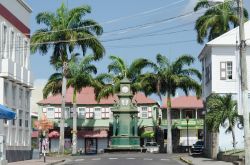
<point x="15" y="77"/>
<point x="220" y="64"/>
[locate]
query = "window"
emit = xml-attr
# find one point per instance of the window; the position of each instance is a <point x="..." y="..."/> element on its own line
<point x="14" y="120"/>
<point x="12" y="35"/>
<point x="81" y="113"/>
<point x="144" y="112"/>
<point x="67" y="113"/>
<point x="208" y="73"/>
<point x="6" y="85"/>
<point x="57" y="113"/>
<point x="105" y="113"/>
<point x="89" y="113"/>
<point x="25" y="53"/>
<point x="4" y="41"/>
<point x="98" y="113"/>
<point x="226" y="70"/>
<point x="20" y="118"/>
<point x="27" y="119"/>
<point x="50" y="113"/>
<point x="20" y="97"/>
<point x="14" y="95"/>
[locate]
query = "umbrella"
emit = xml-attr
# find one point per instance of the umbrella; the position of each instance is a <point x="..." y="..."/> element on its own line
<point x="6" y="113"/>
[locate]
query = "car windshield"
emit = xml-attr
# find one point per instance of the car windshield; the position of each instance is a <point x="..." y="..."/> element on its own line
<point x="199" y="143"/>
<point x="151" y="144"/>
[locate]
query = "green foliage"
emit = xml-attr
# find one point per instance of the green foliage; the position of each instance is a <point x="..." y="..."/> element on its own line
<point x="64" y="31"/>
<point x="220" y="110"/>
<point x="109" y="84"/>
<point x="217" y="19"/>
<point x="148" y="134"/>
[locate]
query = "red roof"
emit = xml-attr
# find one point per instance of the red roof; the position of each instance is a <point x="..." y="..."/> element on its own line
<point x="87" y="96"/>
<point x="184" y="102"/>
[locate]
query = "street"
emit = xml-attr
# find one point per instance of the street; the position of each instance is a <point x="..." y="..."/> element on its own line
<point x="126" y="159"/>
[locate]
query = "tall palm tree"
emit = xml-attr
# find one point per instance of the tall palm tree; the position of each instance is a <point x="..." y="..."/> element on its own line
<point x="79" y="76"/>
<point x="109" y="83"/>
<point x="222" y="112"/>
<point x="64" y="31"/>
<point x="167" y="78"/>
<point x="217" y="20"/>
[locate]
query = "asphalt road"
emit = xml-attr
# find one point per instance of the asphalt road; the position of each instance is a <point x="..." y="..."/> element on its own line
<point x="126" y="159"/>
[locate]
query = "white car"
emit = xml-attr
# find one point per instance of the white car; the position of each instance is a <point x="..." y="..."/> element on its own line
<point x="152" y="147"/>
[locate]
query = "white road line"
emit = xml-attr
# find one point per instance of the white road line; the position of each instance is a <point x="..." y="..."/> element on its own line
<point x="78" y="160"/>
<point x="164" y="159"/>
<point x="131" y="158"/>
<point x="147" y="159"/>
<point x="113" y="158"/>
<point x="96" y="159"/>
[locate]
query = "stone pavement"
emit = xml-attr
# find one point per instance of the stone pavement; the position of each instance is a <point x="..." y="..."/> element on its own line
<point x="49" y="161"/>
<point x="204" y="161"/>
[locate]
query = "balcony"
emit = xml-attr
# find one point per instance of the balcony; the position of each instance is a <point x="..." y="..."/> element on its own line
<point x="30" y="79"/>
<point x="7" y="68"/>
<point x="182" y="123"/>
<point x="17" y="72"/>
<point x="24" y="75"/>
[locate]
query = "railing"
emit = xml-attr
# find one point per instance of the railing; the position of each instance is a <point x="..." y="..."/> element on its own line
<point x="183" y="122"/>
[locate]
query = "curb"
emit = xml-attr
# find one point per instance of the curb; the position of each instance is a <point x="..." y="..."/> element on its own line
<point x="189" y="162"/>
<point x="56" y="162"/>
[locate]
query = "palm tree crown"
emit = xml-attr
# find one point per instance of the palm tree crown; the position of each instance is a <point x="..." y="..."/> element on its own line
<point x="217" y="20"/>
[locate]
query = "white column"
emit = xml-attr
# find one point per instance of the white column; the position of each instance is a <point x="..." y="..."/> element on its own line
<point x="196" y="114"/>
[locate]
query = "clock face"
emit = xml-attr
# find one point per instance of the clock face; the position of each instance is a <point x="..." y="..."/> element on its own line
<point x="125" y="89"/>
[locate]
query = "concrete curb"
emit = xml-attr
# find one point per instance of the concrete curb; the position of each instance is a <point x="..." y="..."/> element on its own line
<point x="56" y="162"/>
<point x="189" y="162"/>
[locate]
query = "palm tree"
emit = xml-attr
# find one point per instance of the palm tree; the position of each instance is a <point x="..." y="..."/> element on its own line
<point x="79" y="76"/>
<point x="167" y="78"/>
<point x="222" y="111"/>
<point x="108" y="84"/>
<point x="64" y="31"/>
<point x="217" y="20"/>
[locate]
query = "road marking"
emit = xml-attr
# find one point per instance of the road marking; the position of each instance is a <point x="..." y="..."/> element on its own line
<point x="131" y="158"/>
<point x="112" y="158"/>
<point x="96" y="159"/>
<point x="164" y="159"/>
<point x="147" y="159"/>
<point x="78" y="160"/>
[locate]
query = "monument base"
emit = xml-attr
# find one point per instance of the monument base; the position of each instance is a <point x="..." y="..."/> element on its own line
<point x="125" y="144"/>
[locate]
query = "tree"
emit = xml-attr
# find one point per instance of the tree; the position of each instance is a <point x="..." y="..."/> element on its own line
<point x="222" y="111"/>
<point x="79" y="76"/>
<point x="167" y="78"/>
<point x="218" y="19"/>
<point x="64" y="31"/>
<point x="108" y="84"/>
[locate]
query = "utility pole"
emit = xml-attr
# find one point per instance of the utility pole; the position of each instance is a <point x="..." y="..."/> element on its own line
<point x="244" y="88"/>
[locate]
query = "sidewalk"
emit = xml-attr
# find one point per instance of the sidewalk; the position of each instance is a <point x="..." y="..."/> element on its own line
<point x="204" y="161"/>
<point x="49" y="161"/>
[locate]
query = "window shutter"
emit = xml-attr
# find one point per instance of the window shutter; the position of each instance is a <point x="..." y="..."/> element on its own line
<point x="223" y="71"/>
<point x="149" y="112"/>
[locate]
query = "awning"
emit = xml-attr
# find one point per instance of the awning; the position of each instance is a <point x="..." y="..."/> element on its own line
<point x="6" y="113"/>
<point x="92" y="134"/>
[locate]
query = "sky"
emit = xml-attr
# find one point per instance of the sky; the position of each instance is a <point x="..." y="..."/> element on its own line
<point x="132" y="29"/>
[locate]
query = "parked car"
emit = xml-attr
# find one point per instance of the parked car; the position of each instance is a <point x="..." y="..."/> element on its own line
<point x="152" y="147"/>
<point x="197" y="148"/>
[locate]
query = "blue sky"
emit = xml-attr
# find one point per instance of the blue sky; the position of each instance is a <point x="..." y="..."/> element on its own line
<point x="145" y="23"/>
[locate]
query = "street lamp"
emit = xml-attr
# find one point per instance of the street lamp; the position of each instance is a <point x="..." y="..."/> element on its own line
<point x="187" y="119"/>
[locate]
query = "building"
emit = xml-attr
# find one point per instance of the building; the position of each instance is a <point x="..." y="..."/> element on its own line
<point x="15" y="77"/>
<point x="183" y="107"/>
<point x="220" y="71"/>
<point x="94" y="119"/>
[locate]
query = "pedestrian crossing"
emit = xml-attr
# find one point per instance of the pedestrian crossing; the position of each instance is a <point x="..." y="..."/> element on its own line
<point x="115" y="158"/>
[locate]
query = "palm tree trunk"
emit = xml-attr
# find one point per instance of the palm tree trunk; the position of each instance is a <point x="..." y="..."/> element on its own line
<point x="169" y="140"/>
<point x="61" y="142"/>
<point x="233" y="135"/>
<point x="74" y="138"/>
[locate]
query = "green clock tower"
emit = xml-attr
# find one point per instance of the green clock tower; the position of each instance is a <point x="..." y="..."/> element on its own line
<point x="125" y="120"/>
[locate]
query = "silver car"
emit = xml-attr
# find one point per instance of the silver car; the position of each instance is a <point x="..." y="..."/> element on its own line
<point x="152" y="147"/>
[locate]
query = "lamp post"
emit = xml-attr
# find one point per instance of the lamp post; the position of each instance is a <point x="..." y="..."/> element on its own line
<point x="187" y="119"/>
